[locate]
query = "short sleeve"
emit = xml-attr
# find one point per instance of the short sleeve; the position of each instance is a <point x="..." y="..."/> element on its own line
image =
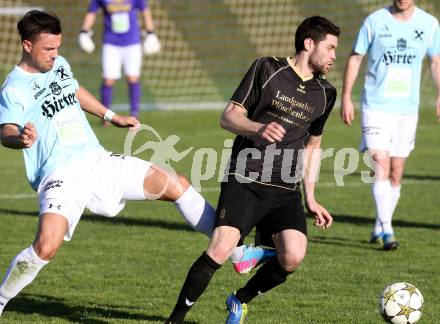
<point x="434" y="41"/>
<point x="94" y="5"/>
<point x="363" y="39"/>
<point x="249" y="90"/>
<point x="12" y="105"/>
<point x="317" y="126"/>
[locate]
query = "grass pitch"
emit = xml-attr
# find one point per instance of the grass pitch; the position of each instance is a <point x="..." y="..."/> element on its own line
<point x="130" y="269"/>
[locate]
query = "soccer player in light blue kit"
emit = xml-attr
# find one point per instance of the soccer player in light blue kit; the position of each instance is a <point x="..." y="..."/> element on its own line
<point x="396" y="40"/>
<point x="42" y="112"/>
<point x="121" y="44"/>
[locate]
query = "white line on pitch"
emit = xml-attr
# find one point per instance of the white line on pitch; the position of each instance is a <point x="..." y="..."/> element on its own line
<point x="17" y="11"/>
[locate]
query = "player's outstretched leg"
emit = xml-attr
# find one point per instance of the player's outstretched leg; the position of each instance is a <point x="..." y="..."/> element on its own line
<point x="199" y="214"/>
<point x="160" y="184"/>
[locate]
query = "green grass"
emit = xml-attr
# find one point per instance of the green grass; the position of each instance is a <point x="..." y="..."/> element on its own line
<point x="130" y="269"/>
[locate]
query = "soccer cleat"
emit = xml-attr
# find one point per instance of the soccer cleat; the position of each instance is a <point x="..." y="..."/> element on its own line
<point x="377" y="239"/>
<point x="252" y="257"/>
<point x="237" y="310"/>
<point x="389" y="242"/>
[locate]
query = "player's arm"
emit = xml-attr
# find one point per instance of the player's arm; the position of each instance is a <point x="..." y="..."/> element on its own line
<point x="351" y="72"/>
<point x="90" y="104"/>
<point x="89" y="21"/>
<point x="312" y="162"/>
<point x="435" y="72"/>
<point x="148" y="20"/>
<point x="14" y="137"/>
<point x="235" y="120"/>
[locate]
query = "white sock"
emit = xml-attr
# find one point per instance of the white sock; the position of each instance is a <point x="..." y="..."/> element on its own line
<point x="377" y="227"/>
<point x="196" y="211"/>
<point x="395" y="195"/>
<point x="21" y="272"/>
<point x="382" y="197"/>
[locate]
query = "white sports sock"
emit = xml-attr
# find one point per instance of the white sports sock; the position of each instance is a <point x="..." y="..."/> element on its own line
<point x="21" y="272"/>
<point x="395" y="195"/>
<point x="377" y="227"/>
<point x="196" y="211"/>
<point x="382" y="197"/>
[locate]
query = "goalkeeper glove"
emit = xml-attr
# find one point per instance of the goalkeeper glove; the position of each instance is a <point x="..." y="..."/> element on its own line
<point x="85" y="41"/>
<point x="151" y="44"/>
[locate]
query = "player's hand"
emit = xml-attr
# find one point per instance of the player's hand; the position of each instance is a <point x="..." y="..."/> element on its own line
<point x="28" y="135"/>
<point x="125" y="121"/>
<point x="86" y="42"/>
<point x="272" y="132"/>
<point x="323" y="218"/>
<point x="347" y="111"/>
<point x="151" y="44"/>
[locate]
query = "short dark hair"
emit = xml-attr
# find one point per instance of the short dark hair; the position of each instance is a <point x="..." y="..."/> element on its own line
<point x="36" y="22"/>
<point x="316" y="28"/>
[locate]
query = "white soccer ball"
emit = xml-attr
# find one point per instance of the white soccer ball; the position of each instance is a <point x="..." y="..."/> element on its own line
<point x="401" y="303"/>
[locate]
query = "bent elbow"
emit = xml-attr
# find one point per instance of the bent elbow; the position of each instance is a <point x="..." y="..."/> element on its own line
<point x="224" y="123"/>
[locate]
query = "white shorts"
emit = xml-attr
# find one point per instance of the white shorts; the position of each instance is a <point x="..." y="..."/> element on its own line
<point x="101" y="182"/>
<point x="116" y="57"/>
<point x="395" y="133"/>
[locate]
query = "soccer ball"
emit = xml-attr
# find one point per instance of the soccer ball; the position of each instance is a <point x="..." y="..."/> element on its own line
<point x="401" y="303"/>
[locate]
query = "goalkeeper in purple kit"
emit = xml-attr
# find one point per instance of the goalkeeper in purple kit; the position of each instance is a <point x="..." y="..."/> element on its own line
<point x="122" y="44"/>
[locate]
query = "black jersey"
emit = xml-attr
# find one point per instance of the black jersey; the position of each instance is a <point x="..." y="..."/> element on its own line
<point x="272" y="90"/>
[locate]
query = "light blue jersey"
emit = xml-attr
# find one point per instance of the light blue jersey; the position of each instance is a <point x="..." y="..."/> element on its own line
<point x="395" y="53"/>
<point x="48" y="101"/>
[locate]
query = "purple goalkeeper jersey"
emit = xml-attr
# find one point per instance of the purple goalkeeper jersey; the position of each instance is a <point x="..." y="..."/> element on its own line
<point x="120" y="20"/>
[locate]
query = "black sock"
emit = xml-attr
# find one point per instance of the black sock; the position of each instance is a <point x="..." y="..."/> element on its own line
<point x="270" y="275"/>
<point x="197" y="280"/>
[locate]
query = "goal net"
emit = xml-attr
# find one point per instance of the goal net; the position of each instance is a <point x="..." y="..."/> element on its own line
<point x="207" y="46"/>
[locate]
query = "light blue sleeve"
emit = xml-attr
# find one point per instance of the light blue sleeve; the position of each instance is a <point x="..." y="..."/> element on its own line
<point x="364" y="37"/>
<point x="11" y="106"/>
<point x="434" y="45"/>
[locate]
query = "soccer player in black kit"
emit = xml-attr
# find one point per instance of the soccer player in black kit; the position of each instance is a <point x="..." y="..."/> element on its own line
<point x="278" y="112"/>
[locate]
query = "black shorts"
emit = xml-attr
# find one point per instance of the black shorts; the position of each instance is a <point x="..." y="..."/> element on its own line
<point x="268" y="207"/>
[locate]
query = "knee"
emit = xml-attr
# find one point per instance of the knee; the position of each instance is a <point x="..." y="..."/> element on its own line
<point x="179" y="185"/>
<point x="395" y="178"/>
<point x="108" y="82"/>
<point x="132" y="79"/>
<point x="220" y="253"/>
<point x="291" y="259"/>
<point x="45" y="250"/>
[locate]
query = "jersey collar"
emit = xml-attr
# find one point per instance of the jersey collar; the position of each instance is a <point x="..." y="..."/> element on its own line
<point x="296" y="70"/>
